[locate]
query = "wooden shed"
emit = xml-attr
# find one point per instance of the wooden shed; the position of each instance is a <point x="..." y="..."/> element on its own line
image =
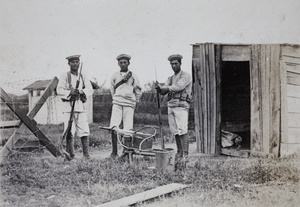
<point x="251" y="90"/>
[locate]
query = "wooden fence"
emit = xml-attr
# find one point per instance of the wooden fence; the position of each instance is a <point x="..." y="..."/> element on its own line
<point x="146" y="112"/>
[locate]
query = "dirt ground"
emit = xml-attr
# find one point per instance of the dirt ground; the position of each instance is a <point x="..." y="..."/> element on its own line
<point x="270" y="194"/>
<point x="105" y="152"/>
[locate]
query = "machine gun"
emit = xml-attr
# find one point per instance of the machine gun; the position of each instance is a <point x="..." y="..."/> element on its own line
<point x="67" y="135"/>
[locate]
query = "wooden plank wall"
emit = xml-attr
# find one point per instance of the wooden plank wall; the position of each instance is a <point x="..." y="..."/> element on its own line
<point x="218" y="54"/>
<point x="197" y="97"/>
<point x="290" y="87"/>
<point x="207" y="123"/>
<point x="265" y="98"/>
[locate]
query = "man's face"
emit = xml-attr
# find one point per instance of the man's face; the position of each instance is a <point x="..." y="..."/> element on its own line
<point x="175" y="66"/>
<point x="74" y="64"/>
<point x="123" y="63"/>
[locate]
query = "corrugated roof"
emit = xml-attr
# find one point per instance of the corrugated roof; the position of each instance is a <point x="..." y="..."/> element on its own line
<point x="38" y="85"/>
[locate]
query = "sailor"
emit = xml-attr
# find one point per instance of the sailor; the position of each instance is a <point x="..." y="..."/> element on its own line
<point x="66" y="88"/>
<point x="179" y="90"/>
<point x="126" y="91"/>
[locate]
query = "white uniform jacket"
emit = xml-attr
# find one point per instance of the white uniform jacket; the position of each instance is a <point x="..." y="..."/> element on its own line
<point x="127" y="94"/>
<point x="63" y="90"/>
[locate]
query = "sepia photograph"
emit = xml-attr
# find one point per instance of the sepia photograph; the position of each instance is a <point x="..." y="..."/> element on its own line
<point x="170" y="103"/>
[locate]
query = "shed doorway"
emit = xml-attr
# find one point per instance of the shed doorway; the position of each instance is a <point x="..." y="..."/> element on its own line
<point x="235" y="99"/>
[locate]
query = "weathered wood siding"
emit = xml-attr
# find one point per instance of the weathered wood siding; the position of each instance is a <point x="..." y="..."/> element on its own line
<point x="275" y="95"/>
<point x="206" y="87"/>
<point x="290" y="88"/>
<point x="265" y="98"/>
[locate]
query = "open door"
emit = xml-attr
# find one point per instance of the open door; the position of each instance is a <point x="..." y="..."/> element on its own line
<point x="214" y="68"/>
<point x="235" y="105"/>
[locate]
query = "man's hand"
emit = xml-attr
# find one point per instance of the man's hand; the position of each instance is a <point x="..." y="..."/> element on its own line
<point x="164" y="90"/>
<point x="83" y="97"/>
<point x="157" y="87"/>
<point x="74" y="94"/>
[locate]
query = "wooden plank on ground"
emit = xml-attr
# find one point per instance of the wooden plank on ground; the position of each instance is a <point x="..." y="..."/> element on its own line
<point x="9" y="124"/>
<point x="31" y="124"/>
<point x="149" y="194"/>
<point x="235" y="153"/>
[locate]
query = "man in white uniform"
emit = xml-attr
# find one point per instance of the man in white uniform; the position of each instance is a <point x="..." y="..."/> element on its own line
<point x="179" y="90"/>
<point x="126" y="91"/>
<point x="66" y="89"/>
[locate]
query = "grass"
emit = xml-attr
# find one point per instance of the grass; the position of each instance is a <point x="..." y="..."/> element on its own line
<point x="40" y="180"/>
<point x="98" y="138"/>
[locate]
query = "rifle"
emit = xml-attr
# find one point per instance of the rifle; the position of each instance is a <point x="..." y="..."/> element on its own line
<point x="159" y="114"/>
<point x="67" y="135"/>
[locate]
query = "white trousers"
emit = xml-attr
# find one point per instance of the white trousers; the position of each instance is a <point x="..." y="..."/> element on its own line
<point x="122" y="113"/>
<point x="178" y="120"/>
<point x="80" y="124"/>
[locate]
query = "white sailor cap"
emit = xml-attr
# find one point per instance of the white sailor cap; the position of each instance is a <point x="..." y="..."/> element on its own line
<point x="73" y="57"/>
<point x="175" y="57"/>
<point x="123" y="56"/>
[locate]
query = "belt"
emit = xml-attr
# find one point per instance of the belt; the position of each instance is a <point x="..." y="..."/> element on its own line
<point x="180" y="96"/>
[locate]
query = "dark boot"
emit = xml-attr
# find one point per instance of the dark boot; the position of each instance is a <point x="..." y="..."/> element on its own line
<point x="185" y="147"/>
<point x="180" y="162"/>
<point x="85" y="147"/>
<point x="127" y="142"/>
<point x="70" y="147"/>
<point x="178" y="140"/>
<point x="114" y="144"/>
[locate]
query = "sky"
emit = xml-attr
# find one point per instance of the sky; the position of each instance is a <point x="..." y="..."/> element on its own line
<point x="36" y="36"/>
